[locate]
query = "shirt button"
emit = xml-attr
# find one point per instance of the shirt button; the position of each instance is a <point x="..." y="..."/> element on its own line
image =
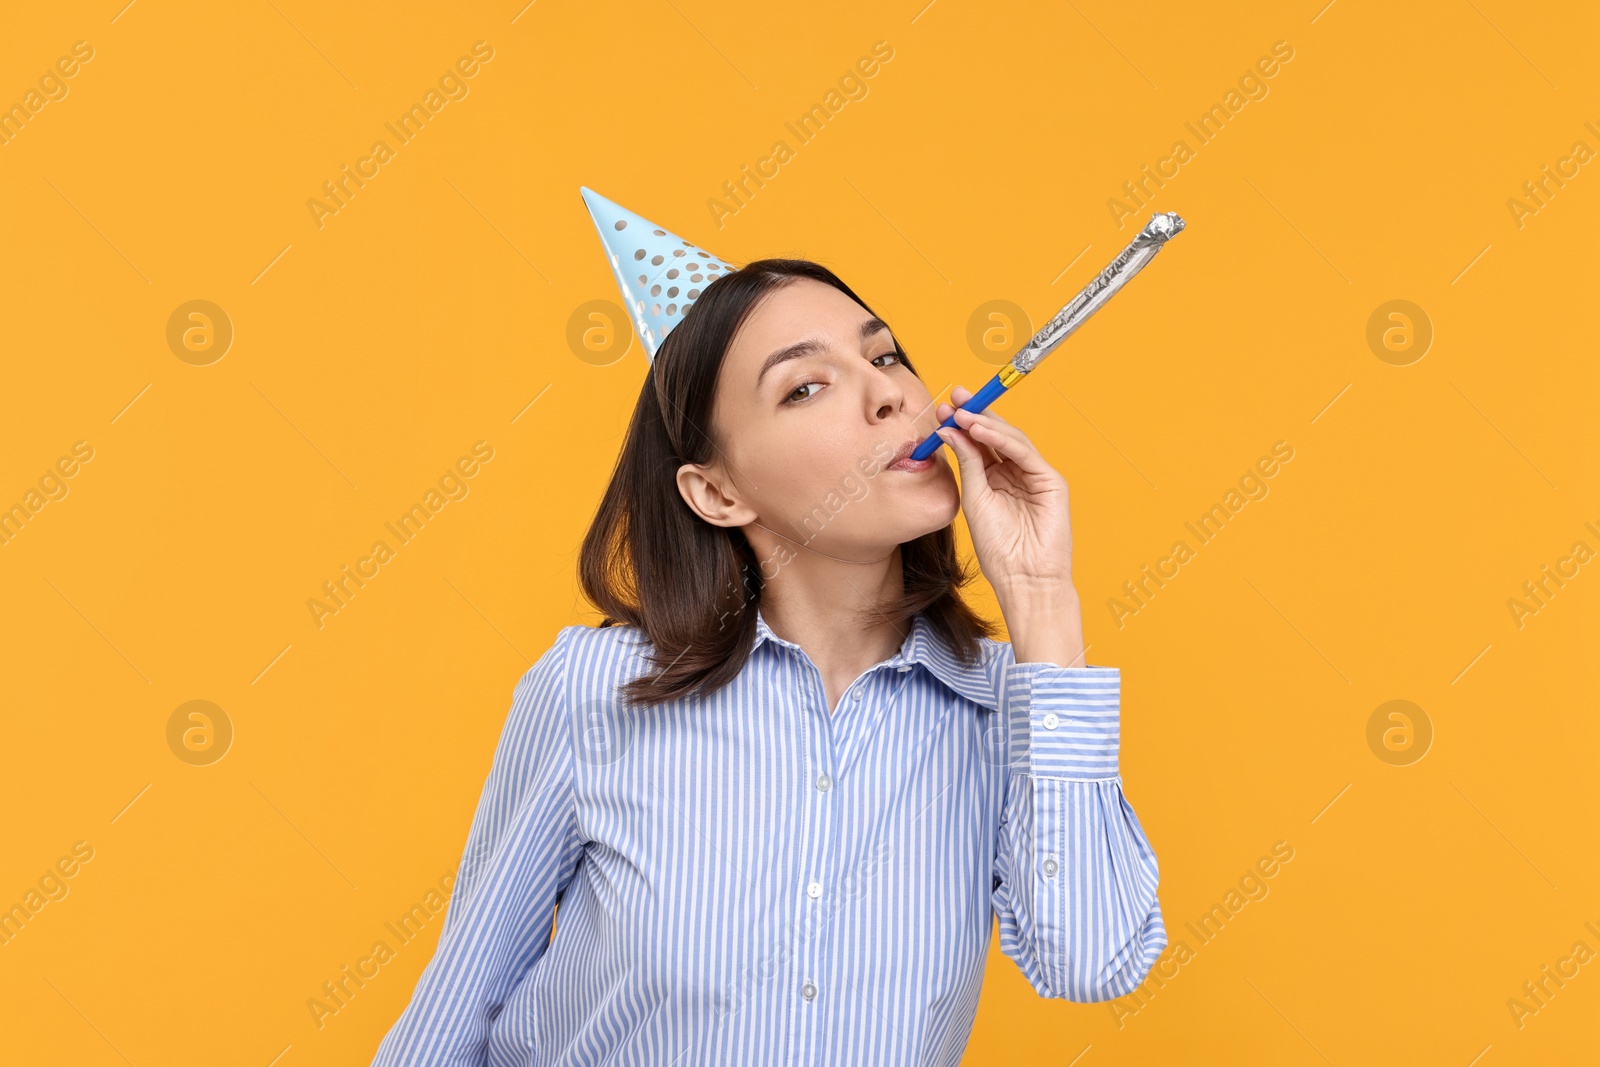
<point x="1051" y="721"/>
<point x="824" y="784"/>
<point x="808" y="991"/>
<point x="1050" y="868"/>
<point x="814" y="890"/>
<point x="856" y="695"/>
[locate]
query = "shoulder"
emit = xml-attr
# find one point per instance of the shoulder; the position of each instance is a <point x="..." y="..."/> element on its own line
<point x="585" y="658"/>
<point x="574" y="677"/>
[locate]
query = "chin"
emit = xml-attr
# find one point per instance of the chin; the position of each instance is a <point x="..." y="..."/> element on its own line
<point x="916" y="522"/>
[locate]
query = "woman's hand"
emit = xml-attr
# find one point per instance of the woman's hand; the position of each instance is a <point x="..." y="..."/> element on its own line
<point x="1016" y="508"/>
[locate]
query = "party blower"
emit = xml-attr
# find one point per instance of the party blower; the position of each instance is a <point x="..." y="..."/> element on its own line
<point x="1130" y="261"/>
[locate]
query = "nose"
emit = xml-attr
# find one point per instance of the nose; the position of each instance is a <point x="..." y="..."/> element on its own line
<point x="885" y="396"/>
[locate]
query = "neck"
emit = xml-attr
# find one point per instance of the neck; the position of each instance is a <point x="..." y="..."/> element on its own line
<point x="819" y="603"/>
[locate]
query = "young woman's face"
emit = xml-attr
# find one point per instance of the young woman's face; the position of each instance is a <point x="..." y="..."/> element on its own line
<point x="813" y="406"/>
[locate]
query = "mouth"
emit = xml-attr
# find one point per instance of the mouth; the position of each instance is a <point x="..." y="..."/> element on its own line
<point x="902" y="460"/>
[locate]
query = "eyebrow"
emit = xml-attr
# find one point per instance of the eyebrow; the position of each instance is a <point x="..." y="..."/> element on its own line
<point x="811" y="346"/>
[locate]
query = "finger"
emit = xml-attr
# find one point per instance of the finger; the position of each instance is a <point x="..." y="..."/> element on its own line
<point x="958" y="396"/>
<point x="968" y="459"/>
<point x="998" y="424"/>
<point x="1010" y="445"/>
<point x="990" y="456"/>
<point x="999" y="419"/>
<point x="963" y="442"/>
<point x="961" y="395"/>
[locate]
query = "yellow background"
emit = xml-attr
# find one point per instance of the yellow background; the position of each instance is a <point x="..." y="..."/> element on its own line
<point x="433" y="309"/>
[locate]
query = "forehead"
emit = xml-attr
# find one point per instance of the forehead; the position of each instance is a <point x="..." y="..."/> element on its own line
<point x="804" y="308"/>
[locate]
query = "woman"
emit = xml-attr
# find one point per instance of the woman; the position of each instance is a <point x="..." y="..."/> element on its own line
<point x="781" y="804"/>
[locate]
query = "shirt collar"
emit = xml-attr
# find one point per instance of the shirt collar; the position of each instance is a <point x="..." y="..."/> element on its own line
<point x="923" y="646"/>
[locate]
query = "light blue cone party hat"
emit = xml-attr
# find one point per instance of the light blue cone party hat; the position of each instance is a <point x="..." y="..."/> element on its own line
<point x="660" y="274"/>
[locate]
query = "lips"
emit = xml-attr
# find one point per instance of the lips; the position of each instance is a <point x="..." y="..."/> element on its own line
<point x="902" y="457"/>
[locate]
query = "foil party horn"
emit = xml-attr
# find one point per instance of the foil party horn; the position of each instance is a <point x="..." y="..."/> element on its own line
<point x="1141" y="250"/>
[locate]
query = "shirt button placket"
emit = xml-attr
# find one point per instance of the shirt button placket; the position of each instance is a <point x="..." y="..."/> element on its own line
<point x="808" y="991"/>
<point x="811" y="953"/>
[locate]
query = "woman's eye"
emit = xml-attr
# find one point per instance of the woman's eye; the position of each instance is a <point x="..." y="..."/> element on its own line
<point x="794" y="398"/>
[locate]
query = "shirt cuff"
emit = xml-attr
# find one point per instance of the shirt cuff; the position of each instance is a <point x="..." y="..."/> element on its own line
<point x="1066" y="722"/>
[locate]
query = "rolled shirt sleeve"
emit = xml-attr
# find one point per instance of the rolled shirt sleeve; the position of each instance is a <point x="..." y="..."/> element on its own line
<point x="1075" y="876"/>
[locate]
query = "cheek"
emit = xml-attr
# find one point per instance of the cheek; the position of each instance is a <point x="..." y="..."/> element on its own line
<point x="831" y="473"/>
<point x="817" y="472"/>
<point x="821" y="457"/>
<point x="788" y="479"/>
<point x="917" y="396"/>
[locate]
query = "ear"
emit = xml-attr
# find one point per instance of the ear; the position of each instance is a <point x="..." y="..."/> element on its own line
<point x="703" y="490"/>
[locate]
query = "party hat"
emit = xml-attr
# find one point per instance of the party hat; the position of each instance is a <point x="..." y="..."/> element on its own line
<point x="660" y="274"/>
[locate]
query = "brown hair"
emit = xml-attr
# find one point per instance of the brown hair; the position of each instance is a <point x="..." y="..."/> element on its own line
<point x="649" y="561"/>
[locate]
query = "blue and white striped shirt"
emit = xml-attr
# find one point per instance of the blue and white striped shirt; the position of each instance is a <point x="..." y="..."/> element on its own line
<point x="746" y="877"/>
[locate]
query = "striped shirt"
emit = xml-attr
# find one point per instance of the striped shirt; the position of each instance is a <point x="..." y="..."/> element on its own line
<point x="750" y="877"/>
